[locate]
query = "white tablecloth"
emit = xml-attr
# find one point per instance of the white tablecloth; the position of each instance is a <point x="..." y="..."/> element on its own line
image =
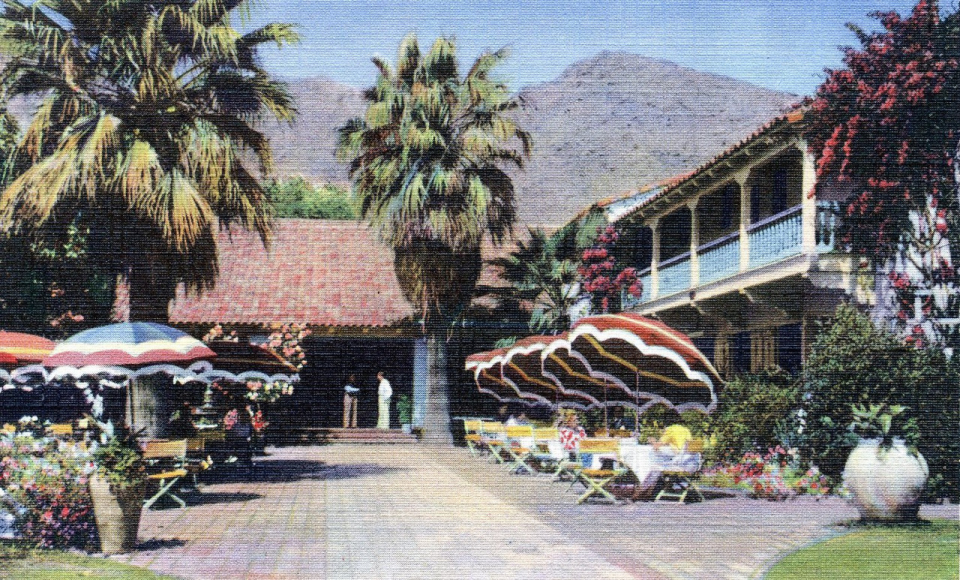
<point x="641" y="461"/>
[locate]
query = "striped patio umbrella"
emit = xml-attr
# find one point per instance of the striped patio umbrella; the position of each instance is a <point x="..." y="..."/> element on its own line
<point x="128" y="344"/>
<point x="23" y="348"/>
<point x="646" y="357"/>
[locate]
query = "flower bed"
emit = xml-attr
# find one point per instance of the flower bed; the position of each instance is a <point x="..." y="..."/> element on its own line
<point x="773" y="476"/>
<point x="43" y="484"/>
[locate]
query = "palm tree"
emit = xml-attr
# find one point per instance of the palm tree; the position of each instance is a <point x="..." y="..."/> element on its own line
<point x="428" y="165"/>
<point x="147" y="115"/>
<point x="543" y="279"/>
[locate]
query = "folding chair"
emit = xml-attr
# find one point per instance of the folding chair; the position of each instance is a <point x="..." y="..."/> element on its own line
<point x="603" y="468"/>
<point x="548" y="451"/>
<point x="493" y="435"/>
<point x="197" y="460"/>
<point x="166" y="460"/>
<point x="519" y="447"/>
<point x="471" y="430"/>
<point x="678" y="475"/>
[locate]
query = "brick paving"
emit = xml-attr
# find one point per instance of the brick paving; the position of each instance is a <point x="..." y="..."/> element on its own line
<point x="396" y="512"/>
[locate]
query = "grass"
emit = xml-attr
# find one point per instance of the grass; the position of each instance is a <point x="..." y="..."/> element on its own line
<point x="23" y="563"/>
<point x="882" y="552"/>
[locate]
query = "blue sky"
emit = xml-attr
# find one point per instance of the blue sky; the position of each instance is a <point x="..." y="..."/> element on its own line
<point x="779" y="44"/>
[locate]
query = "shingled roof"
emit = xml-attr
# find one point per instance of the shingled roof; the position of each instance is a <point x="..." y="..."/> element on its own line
<point x="317" y="272"/>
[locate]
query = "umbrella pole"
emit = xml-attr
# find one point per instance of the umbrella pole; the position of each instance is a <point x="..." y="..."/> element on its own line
<point x="606" y="422"/>
<point x="636" y="409"/>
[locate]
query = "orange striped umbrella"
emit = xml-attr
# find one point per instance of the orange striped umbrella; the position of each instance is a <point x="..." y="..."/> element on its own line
<point x="23" y="348"/>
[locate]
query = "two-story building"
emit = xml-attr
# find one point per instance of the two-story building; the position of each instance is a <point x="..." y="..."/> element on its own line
<point x="740" y="253"/>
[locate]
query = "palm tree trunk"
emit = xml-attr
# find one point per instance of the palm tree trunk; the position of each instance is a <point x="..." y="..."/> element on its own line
<point x="436" y="421"/>
<point x="150" y="294"/>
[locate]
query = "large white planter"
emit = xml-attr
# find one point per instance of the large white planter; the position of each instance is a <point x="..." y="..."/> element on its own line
<point x="886" y="484"/>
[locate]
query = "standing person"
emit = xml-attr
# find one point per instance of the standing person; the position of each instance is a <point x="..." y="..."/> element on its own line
<point x="350" y="393"/>
<point x="384" y="391"/>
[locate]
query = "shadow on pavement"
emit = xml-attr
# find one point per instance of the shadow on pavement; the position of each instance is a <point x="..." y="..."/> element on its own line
<point x="214" y="497"/>
<point x="292" y="470"/>
<point x="160" y="544"/>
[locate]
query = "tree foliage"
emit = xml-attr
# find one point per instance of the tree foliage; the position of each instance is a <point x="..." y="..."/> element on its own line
<point x="541" y="281"/>
<point x="428" y="164"/>
<point x="886" y="128"/>
<point x="146" y="118"/>
<point x="852" y="362"/>
<point x="297" y="198"/>
<point x="755" y="413"/>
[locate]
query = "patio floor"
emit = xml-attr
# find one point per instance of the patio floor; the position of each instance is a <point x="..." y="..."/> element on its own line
<point x="364" y="511"/>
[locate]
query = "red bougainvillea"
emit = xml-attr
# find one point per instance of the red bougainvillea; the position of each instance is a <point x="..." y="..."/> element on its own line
<point x="599" y="274"/>
<point x="886" y="129"/>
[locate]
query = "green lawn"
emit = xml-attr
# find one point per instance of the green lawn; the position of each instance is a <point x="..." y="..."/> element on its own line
<point x="23" y="564"/>
<point x="927" y="551"/>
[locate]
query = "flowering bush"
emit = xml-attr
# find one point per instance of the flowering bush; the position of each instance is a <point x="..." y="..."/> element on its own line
<point x="771" y="476"/>
<point x="600" y="276"/>
<point x="254" y="391"/>
<point x="43" y="483"/>
<point x="286" y="343"/>
<point x="813" y="483"/>
<point x="218" y="333"/>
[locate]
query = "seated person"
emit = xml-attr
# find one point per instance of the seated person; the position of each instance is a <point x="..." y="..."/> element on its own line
<point x="570" y="431"/>
<point x="671" y="444"/>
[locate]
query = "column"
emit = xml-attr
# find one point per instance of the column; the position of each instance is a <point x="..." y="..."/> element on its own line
<point x="655" y="259"/>
<point x="741" y="179"/>
<point x="694" y="243"/>
<point x="419" y="381"/>
<point x="808" y="201"/>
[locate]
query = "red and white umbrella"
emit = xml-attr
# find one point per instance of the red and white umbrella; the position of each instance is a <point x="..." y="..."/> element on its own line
<point x="128" y="344"/>
<point x="23" y="348"/>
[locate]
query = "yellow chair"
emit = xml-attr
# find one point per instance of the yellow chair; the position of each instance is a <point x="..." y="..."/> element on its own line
<point x="597" y="479"/>
<point x="678" y="476"/>
<point x="519" y="447"/>
<point x="472" y="435"/>
<point x="548" y="451"/>
<point x="166" y="461"/>
<point x="493" y="434"/>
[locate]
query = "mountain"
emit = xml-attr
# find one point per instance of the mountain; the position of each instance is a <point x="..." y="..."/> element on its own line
<point x="608" y="124"/>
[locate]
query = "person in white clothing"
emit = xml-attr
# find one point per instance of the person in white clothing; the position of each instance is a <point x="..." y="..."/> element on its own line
<point x="384" y="392"/>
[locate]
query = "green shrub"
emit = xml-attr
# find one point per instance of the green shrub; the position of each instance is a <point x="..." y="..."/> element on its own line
<point x="754" y="413"/>
<point x="297" y="198"/>
<point x="852" y="362"/>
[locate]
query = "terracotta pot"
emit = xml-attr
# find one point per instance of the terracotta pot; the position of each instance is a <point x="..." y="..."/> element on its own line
<point x="118" y="517"/>
<point x="886" y="483"/>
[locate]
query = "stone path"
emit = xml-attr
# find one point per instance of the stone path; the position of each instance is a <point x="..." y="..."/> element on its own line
<point x="397" y="512"/>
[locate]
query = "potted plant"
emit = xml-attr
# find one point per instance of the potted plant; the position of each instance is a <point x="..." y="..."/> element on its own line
<point x="405" y="413"/>
<point x="885" y="472"/>
<point x="117" y="488"/>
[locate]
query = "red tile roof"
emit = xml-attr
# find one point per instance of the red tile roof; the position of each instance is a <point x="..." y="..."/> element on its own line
<point x="317" y="272"/>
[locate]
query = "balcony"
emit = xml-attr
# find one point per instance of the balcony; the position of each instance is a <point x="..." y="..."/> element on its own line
<point x="770" y="240"/>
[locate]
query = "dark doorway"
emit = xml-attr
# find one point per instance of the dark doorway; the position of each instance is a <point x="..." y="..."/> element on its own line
<point x="318" y="398"/>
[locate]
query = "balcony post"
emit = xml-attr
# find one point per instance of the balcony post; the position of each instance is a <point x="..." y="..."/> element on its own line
<point x="694" y="243"/>
<point x="655" y="259"/>
<point x="808" y="200"/>
<point x="741" y="179"/>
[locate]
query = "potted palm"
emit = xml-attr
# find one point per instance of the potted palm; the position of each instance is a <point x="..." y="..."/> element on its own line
<point x="117" y="488"/>
<point x="885" y="472"/>
<point x="405" y="413"/>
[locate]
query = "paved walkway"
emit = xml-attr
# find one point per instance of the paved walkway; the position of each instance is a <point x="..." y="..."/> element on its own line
<point x="414" y="512"/>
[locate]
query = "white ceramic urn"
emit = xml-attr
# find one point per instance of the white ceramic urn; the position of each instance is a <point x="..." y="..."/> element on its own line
<point x="886" y="483"/>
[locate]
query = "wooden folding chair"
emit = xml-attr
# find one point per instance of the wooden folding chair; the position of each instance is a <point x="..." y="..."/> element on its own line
<point x="493" y="434"/>
<point x="166" y="461"/>
<point x="472" y="435"/>
<point x="519" y="447"/>
<point x="679" y="475"/>
<point x="596" y="479"/>
<point x="548" y="451"/>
